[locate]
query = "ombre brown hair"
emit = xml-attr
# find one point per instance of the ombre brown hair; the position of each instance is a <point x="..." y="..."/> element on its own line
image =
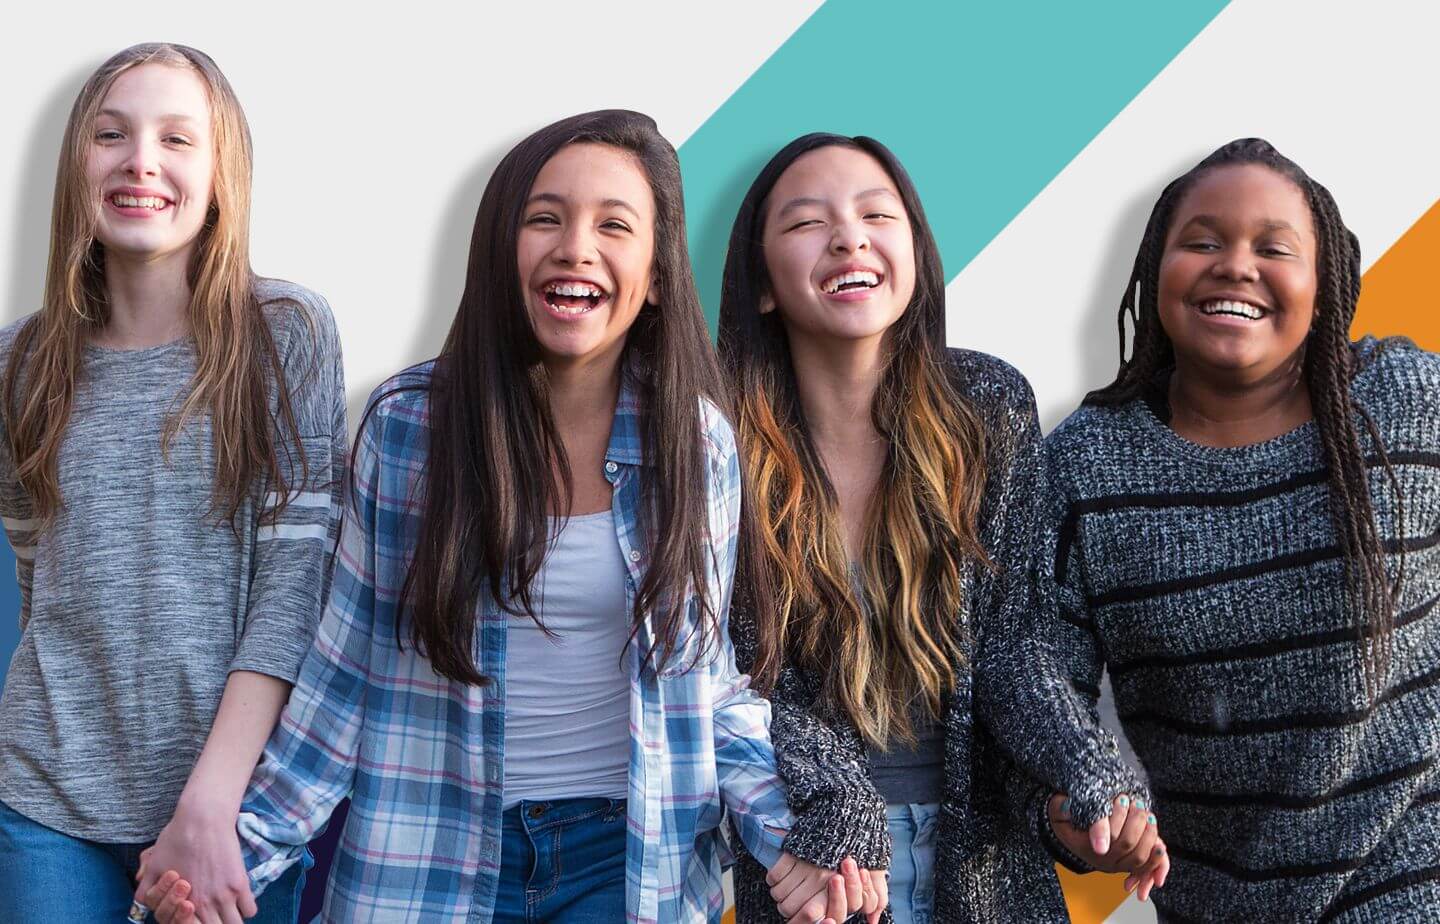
<point x="895" y="646"/>
<point x="237" y="362"/>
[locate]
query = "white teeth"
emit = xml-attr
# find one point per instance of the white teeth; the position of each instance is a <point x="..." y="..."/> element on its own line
<point x="1242" y="309"/>
<point x="863" y="277"/>
<point x="574" y="289"/>
<point x="138" y="202"/>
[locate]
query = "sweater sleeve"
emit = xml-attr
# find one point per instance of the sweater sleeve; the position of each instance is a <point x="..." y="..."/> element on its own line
<point x="838" y="812"/>
<point x="290" y="571"/>
<point x="1023" y="695"/>
<point x="309" y="763"/>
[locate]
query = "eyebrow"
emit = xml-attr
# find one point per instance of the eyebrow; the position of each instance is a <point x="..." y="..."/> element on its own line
<point x="604" y="203"/>
<point x="802" y="201"/>
<point x="1270" y="224"/>
<point x="167" y="117"/>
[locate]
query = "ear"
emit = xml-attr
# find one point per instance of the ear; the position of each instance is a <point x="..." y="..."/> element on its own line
<point x="767" y="303"/>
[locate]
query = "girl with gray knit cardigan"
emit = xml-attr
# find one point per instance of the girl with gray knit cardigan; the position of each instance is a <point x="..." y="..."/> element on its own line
<point x="884" y="595"/>
<point x="1245" y="532"/>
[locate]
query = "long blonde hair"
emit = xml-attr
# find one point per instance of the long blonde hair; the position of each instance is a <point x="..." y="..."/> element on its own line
<point x="892" y="651"/>
<point x="236" y="354"/>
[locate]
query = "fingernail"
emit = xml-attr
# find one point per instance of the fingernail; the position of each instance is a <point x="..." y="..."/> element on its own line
<point x="1124" y="801"/>
<point x="1152" y="819"/>
<point x="1065" y="806"/>
<point x="1140" y="804"/>
<point x="1159" y="848"/>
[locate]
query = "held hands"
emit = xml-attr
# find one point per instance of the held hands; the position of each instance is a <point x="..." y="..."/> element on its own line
<point x="1126" y="841"/>
<point x="807" y="894"/>
<point x="200" y="843"/>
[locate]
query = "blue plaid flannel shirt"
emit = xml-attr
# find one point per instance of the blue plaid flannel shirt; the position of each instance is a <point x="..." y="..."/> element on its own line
<point x="422" y="757"/>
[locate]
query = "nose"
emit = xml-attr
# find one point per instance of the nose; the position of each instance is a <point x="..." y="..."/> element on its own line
<point x="143" y="159"/>
<point x="849" y="237"/>
<point x="576" y="246"/>
<point x="1237" y="264"/>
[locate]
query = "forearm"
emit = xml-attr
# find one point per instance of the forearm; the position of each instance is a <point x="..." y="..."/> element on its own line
<point x="249" y="709"/>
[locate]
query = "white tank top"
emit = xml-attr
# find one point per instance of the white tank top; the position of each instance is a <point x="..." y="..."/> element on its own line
<point x="567" y="711"/>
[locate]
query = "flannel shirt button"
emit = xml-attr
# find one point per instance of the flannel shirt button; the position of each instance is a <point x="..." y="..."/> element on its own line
<point x="611" y="467"/>
<point x="634" y="554"/>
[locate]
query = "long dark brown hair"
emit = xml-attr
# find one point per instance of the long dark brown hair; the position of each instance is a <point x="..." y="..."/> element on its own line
<point x="900" y="641"/>
<point x="1328" y="368"/>
<point x="496" y="465"/>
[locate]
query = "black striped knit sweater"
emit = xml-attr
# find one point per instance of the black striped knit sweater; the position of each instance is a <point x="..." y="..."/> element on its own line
<point x="1013" y="709"/>
<point x="1208" y="583"/>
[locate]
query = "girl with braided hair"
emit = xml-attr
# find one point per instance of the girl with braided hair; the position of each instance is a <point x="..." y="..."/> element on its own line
<point x="1245" y="532"/>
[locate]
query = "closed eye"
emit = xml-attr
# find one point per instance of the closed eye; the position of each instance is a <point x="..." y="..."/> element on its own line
<point x="544" y="218"/>
<point x="803" y="223"/>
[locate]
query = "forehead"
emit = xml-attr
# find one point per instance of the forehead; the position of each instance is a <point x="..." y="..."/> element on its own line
<point x="1245" y="195"/>
<point x="152" y="89"/>
<point x="586" y="172"/>
<point x="832" y="173"/>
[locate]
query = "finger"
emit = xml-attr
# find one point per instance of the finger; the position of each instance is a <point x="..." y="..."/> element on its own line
<point x="807" y="904"/>
<point x="793" y="890"/>
<point x="854" y="887"/>
<point x="1099" y="837"/>
<point x="144" y="858"/>
<point x="807" y="912"/>
<point x="780" y="870"/>
<point x="1059" y="808"/>
<point x="166" y="909"/>
<point x="1119" y="814"/>
<point x="1128" y="846"/>
<point x="881" y="881"/>
<point x="836" y="907"/>
<point x="245" y="902"/>
<point x="229" y="914"/>
<point x="1158" y="862"/>
<point x="868" y="892"/>
<point x="156" y="893"/>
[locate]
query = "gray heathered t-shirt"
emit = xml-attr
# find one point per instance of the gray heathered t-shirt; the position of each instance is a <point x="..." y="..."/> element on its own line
<point x="135" y="603"/>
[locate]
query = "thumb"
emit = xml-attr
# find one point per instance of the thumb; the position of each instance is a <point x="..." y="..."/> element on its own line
<point x="1100" y="836"/>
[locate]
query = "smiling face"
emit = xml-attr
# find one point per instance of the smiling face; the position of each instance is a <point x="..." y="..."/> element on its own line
<point x="1238" y="274"/>
<point x="152" y="162"/>
<point x="585" y="249"/>
<point x="839" y="249"/>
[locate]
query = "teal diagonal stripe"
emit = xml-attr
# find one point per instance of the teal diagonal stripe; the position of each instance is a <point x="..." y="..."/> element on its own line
<point x="984" y="103"/>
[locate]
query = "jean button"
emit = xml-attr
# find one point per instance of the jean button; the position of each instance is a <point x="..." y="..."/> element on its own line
<point x="535" y="811"/>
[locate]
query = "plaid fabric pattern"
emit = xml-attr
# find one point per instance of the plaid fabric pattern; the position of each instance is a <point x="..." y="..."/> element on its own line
<point x="422" y="757"/>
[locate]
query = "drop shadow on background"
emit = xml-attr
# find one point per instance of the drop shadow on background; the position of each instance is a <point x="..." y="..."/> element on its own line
<point x="445" y="281"/>
<point x="709" y="230"/>
<point x="31" y="213"/>
<point x="1099" y="343"/>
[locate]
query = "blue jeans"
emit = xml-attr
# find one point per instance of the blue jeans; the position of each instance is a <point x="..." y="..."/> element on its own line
<point x="562" y="861"/>
<point x="49" y="876"/>
<point x="912" y="864"/>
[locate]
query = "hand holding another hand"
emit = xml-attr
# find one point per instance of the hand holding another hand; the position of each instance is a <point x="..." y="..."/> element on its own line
<point x="809" y="894"/>
<point x="1125" y="841"/>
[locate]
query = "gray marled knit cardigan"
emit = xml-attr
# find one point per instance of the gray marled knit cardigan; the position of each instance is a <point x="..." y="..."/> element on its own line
<point x="1012" y="706"/>
<point x="1208" y="582"/>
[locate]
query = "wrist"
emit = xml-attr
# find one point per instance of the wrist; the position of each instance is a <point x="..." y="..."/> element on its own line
<point x="206" y="805"/>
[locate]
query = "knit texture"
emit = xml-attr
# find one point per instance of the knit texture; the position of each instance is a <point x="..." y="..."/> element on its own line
<point x="1014" y="730"/>
<point x="1208" y="582"/>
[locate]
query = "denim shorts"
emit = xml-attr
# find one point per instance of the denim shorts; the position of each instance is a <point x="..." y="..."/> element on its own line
<point x="912" y="864"/>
